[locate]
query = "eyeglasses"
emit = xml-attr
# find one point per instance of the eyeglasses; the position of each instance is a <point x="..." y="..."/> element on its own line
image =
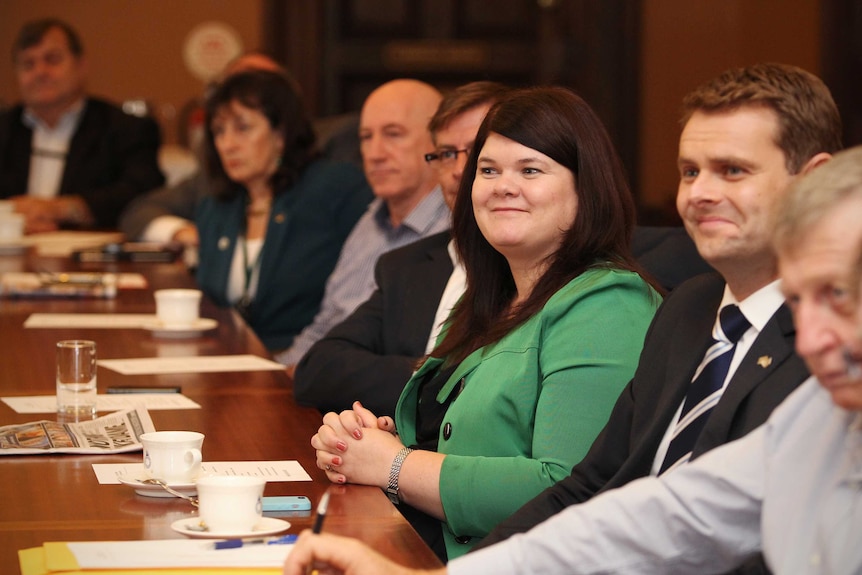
<point x="445" y="156"/>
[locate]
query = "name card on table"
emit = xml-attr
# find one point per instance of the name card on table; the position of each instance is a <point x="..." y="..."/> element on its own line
<point x="104" y="402"/>
<point x="192" y="364"/>
<point x="288" y="470"/>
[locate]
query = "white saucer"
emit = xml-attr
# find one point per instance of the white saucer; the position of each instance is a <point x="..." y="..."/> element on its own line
<point x="12" y="248"/>
<point x="267" y="526"/>
<point x="151" y="490"/>
<point x="179" y="332"/>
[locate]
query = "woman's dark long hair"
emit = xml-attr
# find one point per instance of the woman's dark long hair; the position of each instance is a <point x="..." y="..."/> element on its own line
<point x="560" y="125"/>
<point x="273" y="95"/>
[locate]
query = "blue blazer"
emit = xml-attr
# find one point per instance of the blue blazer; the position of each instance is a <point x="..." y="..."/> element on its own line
<point x="307" y="227"/>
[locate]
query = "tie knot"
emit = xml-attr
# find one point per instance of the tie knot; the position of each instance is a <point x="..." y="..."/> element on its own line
<point x="733" y="323"/>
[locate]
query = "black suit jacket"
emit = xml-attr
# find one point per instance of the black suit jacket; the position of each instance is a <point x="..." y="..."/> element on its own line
<point x="675" y="345"/>
<point x="371" y="354"/>
<point x="112" y="158"/>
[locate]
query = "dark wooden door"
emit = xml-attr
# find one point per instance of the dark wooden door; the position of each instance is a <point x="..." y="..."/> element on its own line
<point x="842" y="62"/>
<point x="340" y="50"/>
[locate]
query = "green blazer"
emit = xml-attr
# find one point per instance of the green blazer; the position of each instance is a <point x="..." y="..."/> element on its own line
<point x="532" y="403"/>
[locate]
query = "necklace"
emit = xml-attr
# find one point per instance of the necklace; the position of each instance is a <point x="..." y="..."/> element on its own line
<point x="261" y="208"/>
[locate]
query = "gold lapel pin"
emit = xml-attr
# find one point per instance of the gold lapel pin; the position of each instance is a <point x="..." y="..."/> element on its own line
<point x="764" y="361"/>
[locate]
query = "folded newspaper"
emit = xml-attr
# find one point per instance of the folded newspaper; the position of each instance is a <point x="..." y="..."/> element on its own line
<point x="117" y="432"/>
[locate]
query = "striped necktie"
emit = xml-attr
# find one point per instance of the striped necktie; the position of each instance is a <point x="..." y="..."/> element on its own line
<point x="706" y="387"/>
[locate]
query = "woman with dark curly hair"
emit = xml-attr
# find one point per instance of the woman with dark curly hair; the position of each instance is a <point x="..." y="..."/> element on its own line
<point x="273" y="227"/>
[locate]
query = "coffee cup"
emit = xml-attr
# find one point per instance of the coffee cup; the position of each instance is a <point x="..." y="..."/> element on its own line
<point x="230" y="503"/>
<point x="11" y="227"/>
<point x="177" y="307"/>
<point x="172" y="456"/>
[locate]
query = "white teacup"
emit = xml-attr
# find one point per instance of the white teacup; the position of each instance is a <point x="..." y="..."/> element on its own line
<point x="172" y="456"/>
<point x="11" y="227"/>
<point x="230" y="503"/>
<point x="178" y="307"/>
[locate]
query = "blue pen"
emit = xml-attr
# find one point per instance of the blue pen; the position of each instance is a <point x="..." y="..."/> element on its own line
<point x="237" y="543"/>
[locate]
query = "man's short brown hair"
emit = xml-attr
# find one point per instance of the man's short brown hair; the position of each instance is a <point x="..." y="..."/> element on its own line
<point x="808" y="119"/>
<point x="463" y="99"/>
<point x="31" y="34"/>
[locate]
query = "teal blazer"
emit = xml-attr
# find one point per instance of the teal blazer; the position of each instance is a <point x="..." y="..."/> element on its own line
<point x="307" y="227"/>
<point x="532" y="403"/>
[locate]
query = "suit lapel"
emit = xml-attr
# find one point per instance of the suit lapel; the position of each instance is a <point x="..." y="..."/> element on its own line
<point x="277" y="229"/>
<point x="17" y="163"/>
<point x="692" y="338"/>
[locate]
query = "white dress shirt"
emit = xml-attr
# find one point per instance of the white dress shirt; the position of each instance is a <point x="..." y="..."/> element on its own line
<point x="451" y="294"/>
<point x="48" y="149"/>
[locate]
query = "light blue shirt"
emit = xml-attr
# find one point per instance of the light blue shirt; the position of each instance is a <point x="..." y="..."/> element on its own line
<point x="352" y="280"/>
<point x="791" y="488"/>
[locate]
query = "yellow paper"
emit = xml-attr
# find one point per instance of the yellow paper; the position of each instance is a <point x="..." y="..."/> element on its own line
<point x="32" y="561"/>
<point x="56" y="558"/>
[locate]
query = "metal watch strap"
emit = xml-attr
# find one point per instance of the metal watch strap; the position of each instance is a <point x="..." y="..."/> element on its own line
<point x="394" y="472"/>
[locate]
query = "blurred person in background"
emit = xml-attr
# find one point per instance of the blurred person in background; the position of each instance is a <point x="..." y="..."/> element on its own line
<point x="68" y="160"/>
<point x="167" y="214"/>
<point x="274" y="222"/>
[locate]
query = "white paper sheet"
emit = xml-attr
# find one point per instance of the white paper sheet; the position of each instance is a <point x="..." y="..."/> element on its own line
<point x="64" y="242"/>
<point x="174" y="553"/>
<point x="90" y="320"/>
<point x="191" y="364"/>
<point x="110" y="473"/>
<point x="104" y="402"/>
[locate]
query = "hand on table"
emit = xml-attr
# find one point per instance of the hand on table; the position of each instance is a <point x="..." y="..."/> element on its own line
<point x="46" y="214"/>
<point x="356" y="446"/>
<point x="187" y="235"/>
<point x="346" y="555"/>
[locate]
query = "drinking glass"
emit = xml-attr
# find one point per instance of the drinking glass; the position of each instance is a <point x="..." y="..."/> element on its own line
<point x="76" y="379"/>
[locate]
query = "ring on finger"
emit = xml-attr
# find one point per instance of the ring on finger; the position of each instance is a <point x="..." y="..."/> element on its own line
<point x="328" y="468"/>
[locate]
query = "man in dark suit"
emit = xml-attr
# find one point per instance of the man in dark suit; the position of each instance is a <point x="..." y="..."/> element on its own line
<point x="740" y="150"/>
<point x="68" y="160"/>
<point x="371" y="355"/>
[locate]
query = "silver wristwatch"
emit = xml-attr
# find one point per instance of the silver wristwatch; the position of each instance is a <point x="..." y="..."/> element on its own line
<point x="394" y="472"/>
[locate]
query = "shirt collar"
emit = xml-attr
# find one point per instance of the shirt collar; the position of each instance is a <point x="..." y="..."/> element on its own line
<point x="421" y="219"/>
<point x="759" y="307"/>
<point x="68" y="120"/>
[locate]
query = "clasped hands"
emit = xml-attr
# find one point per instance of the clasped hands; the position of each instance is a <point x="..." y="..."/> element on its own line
<point x="356" y="446"/>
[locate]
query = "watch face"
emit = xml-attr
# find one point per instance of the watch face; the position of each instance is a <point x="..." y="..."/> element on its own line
<point x="393" y="496"/>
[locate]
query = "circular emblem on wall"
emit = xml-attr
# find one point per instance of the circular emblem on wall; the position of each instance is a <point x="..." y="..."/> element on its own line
<point x="209" y="47"/>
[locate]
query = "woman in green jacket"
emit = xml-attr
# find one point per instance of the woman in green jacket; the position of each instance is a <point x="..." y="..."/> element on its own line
<point x="546" y="336"/>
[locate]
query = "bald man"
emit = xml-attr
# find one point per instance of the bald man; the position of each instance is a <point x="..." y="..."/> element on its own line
<point x="393" y="140"/>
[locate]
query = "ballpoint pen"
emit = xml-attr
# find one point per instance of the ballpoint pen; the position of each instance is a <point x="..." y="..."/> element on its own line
<point x="321" y="513"/>
<point x="318" y="525"/>
<point x="236" y="543"/>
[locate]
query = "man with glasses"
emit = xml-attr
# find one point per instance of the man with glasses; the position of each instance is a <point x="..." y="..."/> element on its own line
<point x="378" y="346"/>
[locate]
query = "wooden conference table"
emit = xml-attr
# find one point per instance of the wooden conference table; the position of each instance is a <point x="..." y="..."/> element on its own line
<point x="244" y="415"/>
